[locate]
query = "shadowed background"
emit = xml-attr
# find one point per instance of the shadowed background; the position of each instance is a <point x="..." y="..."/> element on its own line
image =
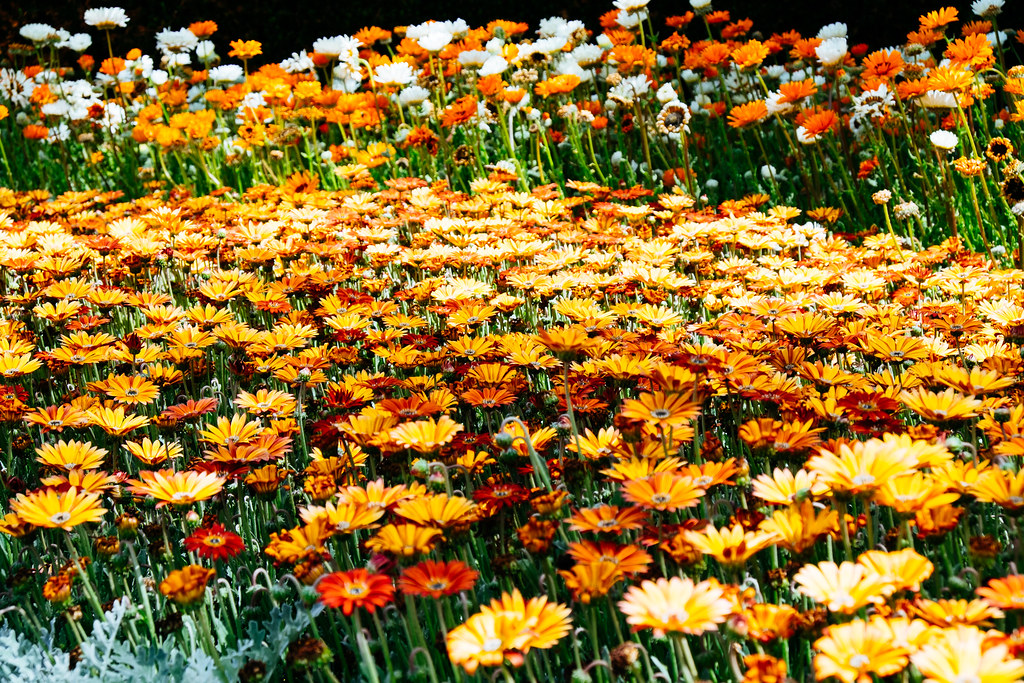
<point x="286" y="26"/>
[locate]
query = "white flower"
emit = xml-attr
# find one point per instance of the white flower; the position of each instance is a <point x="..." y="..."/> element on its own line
<point x="630" y="19"/>
<point x="630" y="88"/>
<point x="493" y="66"/>
<point x="414" y="94"/>
<point x="630" y="5"/>
<point x="944" y="139"/>
<point x="553" y="26"/>
<point x="80" y="42"/>
<point x="834" y="30"/>
<point x="38" y="33"/>
<point x="106" y="17"/>
<point x="604" y="42"/>
<point x="337" y="46"/>
<point x="226" y="73"/>
<point x="936" y="99"/>
<point x="700" y="4"/>
<point x="206" y="51"/>
<point x="399" y="73"/>
<point x="831" y="51"/>
<point x="298" y="63"/>
<point x="777" y="107"/>
<point x="987" y="8"/>
<point x="457" y="28"/>
<point x="666" y="94"/>
<point x="873" y="103"/>
<point x="158" y="76"/>
<point x="587" y="54"/>
<point x="473" y="59"/>
<point x="179" y="41"/>
<point x="435" y="41"/>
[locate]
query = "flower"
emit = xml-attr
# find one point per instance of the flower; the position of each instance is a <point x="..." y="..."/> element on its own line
<point x="106" y="18"/>
<point x="71" y="455"/>
<point x="404" y="540"/>
<point x="842" y="588"/>
<point x="853" y="652"/>
<point x="426" y="436"/>
<point x="943" y="139"/>
<point x="177" y="488"/>
<point x="1004" y="593"/>
<point x="831" y="51"/>
<point x="675" y="606"/>
<point x="730" y="546"/>
<point x="356" y="588"/>
<point x="52" y="510"/>
<point x="663" y="491"/>
<point x="214" y="543"/>
<point x="964" y="653"/>
<point x="187" y="585"/>
<point x="437" y="579"/>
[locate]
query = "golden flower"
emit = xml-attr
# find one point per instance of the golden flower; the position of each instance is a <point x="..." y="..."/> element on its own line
<point x="177" y="488"/>
<point x="404" y="540"/>
<point x="426" y="436"/>
<point x="71" y="455"/>
<point x="731" y="546"/>
<point x="676" y="606"/>
<point x="853" y="652"/>
<point x="52" y="510"/>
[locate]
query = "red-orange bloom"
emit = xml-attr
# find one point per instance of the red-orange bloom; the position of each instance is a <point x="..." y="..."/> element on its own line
<point x="437" y="579"/>
<point x="355" y="588"/>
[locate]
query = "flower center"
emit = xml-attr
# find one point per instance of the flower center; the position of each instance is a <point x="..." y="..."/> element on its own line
<point x="60" y="518"/>
<point x="859" y="661"/>
<point x="491" y="645"/>
<point x="661" y="413"/>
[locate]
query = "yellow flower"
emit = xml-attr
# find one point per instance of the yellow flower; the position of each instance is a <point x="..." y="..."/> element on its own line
<point x="52" y="510"/>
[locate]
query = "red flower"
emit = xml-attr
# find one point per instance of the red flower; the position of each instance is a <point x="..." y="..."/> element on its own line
<point x="215" y="543"/>
<point x="355" y="588"/>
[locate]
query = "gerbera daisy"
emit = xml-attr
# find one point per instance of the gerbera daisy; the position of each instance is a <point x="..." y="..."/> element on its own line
<point x="214" y="543"/>
<point x="426" y="436"/>
<point x="842" y="588"/>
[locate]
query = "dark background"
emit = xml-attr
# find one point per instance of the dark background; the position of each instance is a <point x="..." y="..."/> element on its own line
<point x="286" y="26"/>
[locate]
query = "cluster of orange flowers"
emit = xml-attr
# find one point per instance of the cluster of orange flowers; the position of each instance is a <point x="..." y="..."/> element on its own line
<point x="609" y="411"/>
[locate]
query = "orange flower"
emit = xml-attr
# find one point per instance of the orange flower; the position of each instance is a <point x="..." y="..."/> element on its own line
<point x="459" y="111"/>
<point x="746" y="114"/>
<point x="187" y="585"/>
<point x="354" y="589"/>
<point x="245" y="49"/>
<point x="437" y="579"/>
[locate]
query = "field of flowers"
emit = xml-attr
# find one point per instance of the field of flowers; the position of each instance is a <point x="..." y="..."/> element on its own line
<point x="679" y="353"/>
